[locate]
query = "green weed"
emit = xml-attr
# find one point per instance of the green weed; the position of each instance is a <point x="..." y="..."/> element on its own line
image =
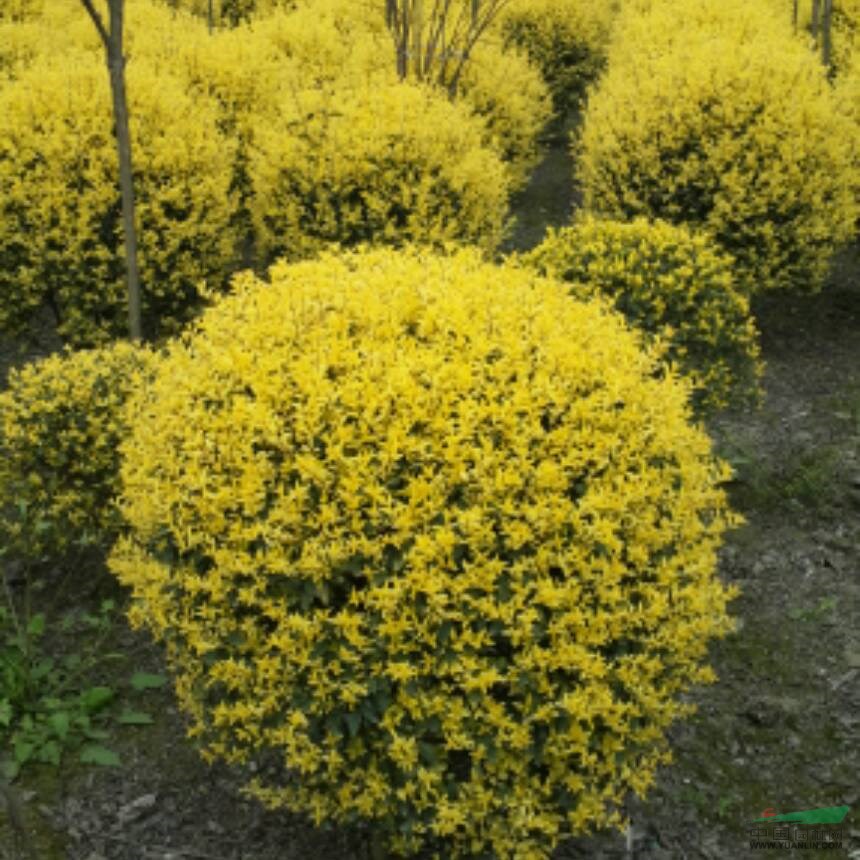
<point x="51" y="701"/>
<point x="805" y="478"/>
<point x="818" y="612"/>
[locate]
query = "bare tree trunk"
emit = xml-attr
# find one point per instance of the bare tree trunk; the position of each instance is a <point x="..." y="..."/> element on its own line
<point x="434" y="37"/>
<point x="210" y="17"/>
<point x="826" y="38"/>
<point x="113" y="42"/>
<point x="417" y="32"/>
<point x="126" y="184"/>
<point x="794" y="15"/>
<point x="816" y="14"/>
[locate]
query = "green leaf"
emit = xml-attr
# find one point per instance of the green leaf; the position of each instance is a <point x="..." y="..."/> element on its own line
<point x="368" y="712"/>
<point x="96" y="754"/>
<point x="5" y="712"/>
<point x="135" y="718"/>
<point x="353" y="721"/>
<point x="429" y="753"/>
<point x="42" y="669"/>
<point x="49" y="753"/>
<point x="59" y="722"/>
<point x="96" y="698"/>
<point x="96" y="734"/>
<point x="145" y="681"/>
<point x="36" y="625"/>
<point x="23" y="751"/>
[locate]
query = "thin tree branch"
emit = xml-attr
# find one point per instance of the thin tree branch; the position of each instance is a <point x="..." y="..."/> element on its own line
<point x="97" y="20"/>
<point x="437" y="18"/>
<point x="472" y="38"/>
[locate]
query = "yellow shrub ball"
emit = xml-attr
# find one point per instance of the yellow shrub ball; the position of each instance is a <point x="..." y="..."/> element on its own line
<point x="389" y="164"/>
<point x="20" y="10"/>
<point x="437" y="534"/>
<point x="61" y="422"/>
<point x="844" y="31"/>
<point x="672" y="284"/>
<point x="61" y="238"/>
<point x="730" y="127"/>
<point x="565" y="39"/>
<point x="507" y="91"/>
<point x="347" y="46"/>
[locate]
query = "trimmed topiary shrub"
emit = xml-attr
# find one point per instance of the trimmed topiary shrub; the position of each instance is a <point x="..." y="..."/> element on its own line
<point x="437" y="536"/>
<point x="389" y="164"/>
<point x="20" y="10"/>
<point x="565" y="39"/>
<point x="673" y="284"/>
<point x="344" y="46"/>
<point x="22" y="43"/>
<point x="741" y="137"/>
<point x="61" y="241"/>
<point x="241" y="73"/>
<point x="61" y="422"/>
<point x="506" y="90"/>
<point x="844" y="32"/>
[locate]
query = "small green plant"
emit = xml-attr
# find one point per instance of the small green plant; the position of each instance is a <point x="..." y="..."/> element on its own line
<point x="726" y="802"/>
<point x="51" y="706"/>
<point x="818" y="612"/>
<point x="694" y="797"/>
<point x="803" y="478"/>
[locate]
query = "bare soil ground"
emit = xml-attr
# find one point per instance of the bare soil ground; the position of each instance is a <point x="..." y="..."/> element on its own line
<point x="780" y="729"/>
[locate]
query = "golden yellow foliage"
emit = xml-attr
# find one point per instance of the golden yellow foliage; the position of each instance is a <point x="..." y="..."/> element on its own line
<point x="438" y="533"/>
<point x="230" y="13"/>
<point x="61" y="240"/>
<point x="346" y="45"/>
<point x="390" y="164"/>
<point x="20" y="10"/>
<point x="845" y="31"/>
<point x="506" y="90"/>
<point x="728" y="124"/>
<point x="674" y="285"/>
<point x="60" y="428"/>
<point x="566" y="39"/>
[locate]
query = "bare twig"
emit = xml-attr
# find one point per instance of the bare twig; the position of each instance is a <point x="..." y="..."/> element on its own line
<point x="826" y="42"/>
<point x="97" y="20"/>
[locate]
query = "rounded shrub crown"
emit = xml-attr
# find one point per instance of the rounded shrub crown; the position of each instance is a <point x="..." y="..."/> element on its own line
<point x="20" y="10"/>
<point x="730" y="126"/>
<point x="566" y="39"/>
<point x="434" y="533"/>
<point x="61" y="239"/>
<point x="388" y="164"/>
<point x="333" y="43"/>
<point x="507" y="92"/>
<point x="671" y="283"/>
<point x="61" y="422"/>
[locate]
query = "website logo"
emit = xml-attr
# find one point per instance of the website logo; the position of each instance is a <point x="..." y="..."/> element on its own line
<point x="811" y="829"/>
